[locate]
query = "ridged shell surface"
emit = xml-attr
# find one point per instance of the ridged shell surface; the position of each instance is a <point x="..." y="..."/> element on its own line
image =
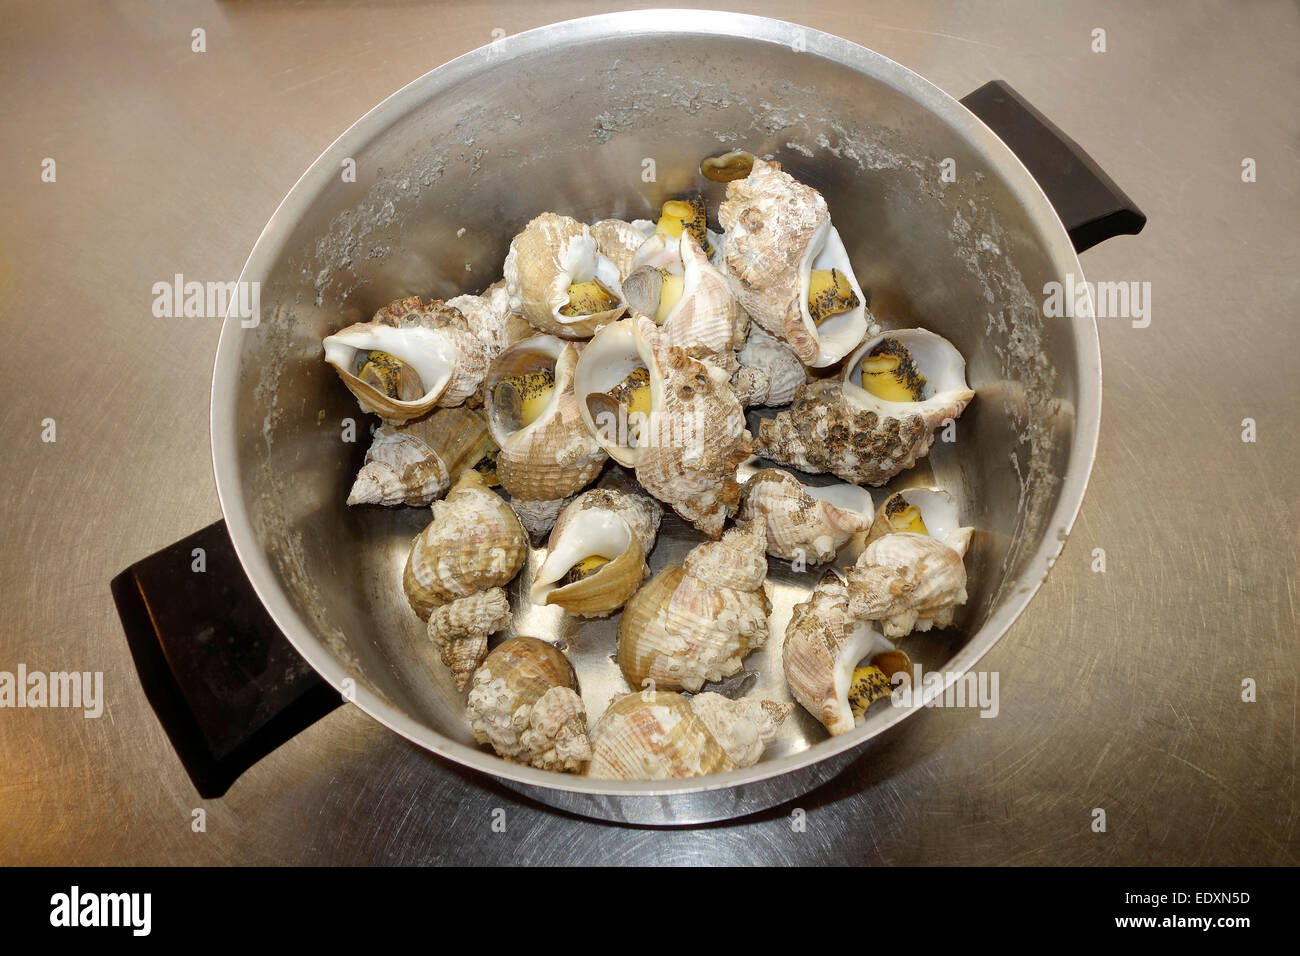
<point x="523" y="702"/>
<point x="473" y="543"/>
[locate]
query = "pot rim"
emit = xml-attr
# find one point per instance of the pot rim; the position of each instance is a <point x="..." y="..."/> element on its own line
<point x="1025" y="189"/>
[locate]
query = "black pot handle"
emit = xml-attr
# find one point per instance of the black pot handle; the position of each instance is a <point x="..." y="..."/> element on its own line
<point x="226" y="685"/>
<point x="1089" y="203"/>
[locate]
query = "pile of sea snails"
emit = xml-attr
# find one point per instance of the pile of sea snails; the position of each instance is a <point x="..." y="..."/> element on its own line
<point x="503" y="411"/>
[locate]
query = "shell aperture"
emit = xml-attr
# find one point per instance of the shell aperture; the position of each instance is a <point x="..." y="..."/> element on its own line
<point x="829" y="293"/>
<point x="390" y="375"/>
<point x="888" y="371"/>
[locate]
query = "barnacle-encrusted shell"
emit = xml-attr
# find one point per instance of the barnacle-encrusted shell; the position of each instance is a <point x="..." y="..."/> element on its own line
<point x="696" y="623"/>
<point x="776" y="231"/>
<point x="473" y="543"/>
<point x="414" y="463"/>
<point x="664" y="736"/>
<point x="686" y="454"/>
<point x="823" y="643"/>
<point x="552" y="253"/>
<point x="432" y="338"/>
<point x="616" y="526"/>
<point x="490" y="318"/>
<point x="523" y="701"/>
<point x="555" y="455"/>
<point x="809" y="523"/>
<point x="769" y="372"/>
<point x="707" y="320"/>
<point x="836" y="425"/>
<point x="909" y="581"/>
<point x="460" y="630"/>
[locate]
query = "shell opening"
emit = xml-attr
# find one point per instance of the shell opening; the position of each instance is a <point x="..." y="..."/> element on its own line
<point x="839" y="330"/>
<point x="611" y="371"/>
<point x="588" y="543"/>
<point x="422" y="358"/>
<point x="915" y="362"/>
<point x="588" y="283"/>
<point x="521" y="386"/>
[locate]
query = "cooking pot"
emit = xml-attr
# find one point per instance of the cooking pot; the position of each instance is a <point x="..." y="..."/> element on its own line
<point x="610" y="116"/>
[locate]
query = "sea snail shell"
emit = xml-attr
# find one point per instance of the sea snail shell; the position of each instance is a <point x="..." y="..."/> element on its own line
<point x="523" y="701"/>
<point x="664" y="736"/>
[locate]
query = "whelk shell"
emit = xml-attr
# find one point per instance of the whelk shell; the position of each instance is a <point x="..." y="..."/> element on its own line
<point x="547" y="453"/>
<point x="706" y="319"/>
<point x="664" y="736"/>
<point x="431" y="340"/>
<point x="550" y="255"/>
<point x="909" y="581"/>
<point x="777" y="231"/>
<point x="823" y="645"/>
<point x="490" y="318"/>
<point x="696" y="623"/>
<point x="806" y="523"/>
<point x="460" y="630"/>
<point x="768" y="373"/>
<point x="686" y="450"/>
<point x="414" y="463"/>
<point x="473" y="543"/>
<point x="839" y="426"/>
<point x="596" y="554"/>
<point x="524" y="702"/>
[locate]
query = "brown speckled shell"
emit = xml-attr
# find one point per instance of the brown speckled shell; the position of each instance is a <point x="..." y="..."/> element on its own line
<point x="823" y="432"/>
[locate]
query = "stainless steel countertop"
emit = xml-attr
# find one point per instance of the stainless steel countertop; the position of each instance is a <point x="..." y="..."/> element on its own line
<point x="1120" y="690"/>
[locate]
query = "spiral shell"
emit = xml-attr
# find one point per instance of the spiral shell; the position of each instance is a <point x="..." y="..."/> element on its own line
<point x="490" y="318"/>
<point x="665" y="736"/>
<point x="696" y="623"/>
<point x="618" y="527"/>
<point x="707" y="319"/>
<point x="777" y="230"/>
<point x="908" y="582"/>
<point x="823" y="644"/>
<point x="414" y="463"/>
<point x="838" y="426"/>
<point x="686" y="451"/>
<point x="431" y="339"/>
<point x="460" y="630"/>
<point x="768" y="371"/>
<point x="809" y="523"/>
<point x="552" y="253"/>
<point x="473" y="543"/>
<point x="523" y="701"/>
<point x="618" y="241"/>
<point x="554" y="455"/>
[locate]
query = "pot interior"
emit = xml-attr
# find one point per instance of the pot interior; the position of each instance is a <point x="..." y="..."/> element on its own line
<point x="610" y="117"/>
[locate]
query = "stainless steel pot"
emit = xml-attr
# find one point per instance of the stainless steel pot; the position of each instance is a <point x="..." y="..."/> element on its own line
<point x="609" y="116"/>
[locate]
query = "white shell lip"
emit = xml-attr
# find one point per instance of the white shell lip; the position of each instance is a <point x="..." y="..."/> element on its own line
<point x="838" y="335"/>
<point x="665" y="252"/>
<point x="938" y="359"/>
<point x="582" y="261"/>
<point x="938" y="510"/>
<point x="613" y="353"/>
<point x="844" y="496"/>
<point x="863" y="642"/>
<point x="595" y="532"/>
<point x="430" y="354"/>
<point x="549" y="347"/>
